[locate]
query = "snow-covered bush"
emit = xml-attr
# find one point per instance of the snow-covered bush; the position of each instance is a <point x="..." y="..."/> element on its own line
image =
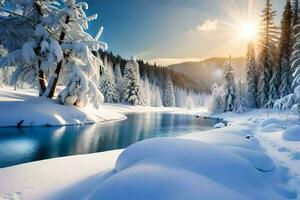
<point x="133" y="89"/>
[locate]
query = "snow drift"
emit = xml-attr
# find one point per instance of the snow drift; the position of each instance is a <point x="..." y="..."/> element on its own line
<point x="169" y="168"/>
<point x="292" y="134"/>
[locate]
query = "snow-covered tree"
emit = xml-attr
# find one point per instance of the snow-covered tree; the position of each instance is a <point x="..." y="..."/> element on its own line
<point x="133" y="89"/>
<point x="230" y="95"/>
<point x="296" y="52"/>
<point x="59" y="40"/>
<point x="267" y="54"/>
<point x="285" y="51"/>
<point x="189" y="101"/>
<point x="169" y="97"/>
<point x="156" y="97"/>
<point x="273" y="85"/>
<point x="107" y="84"/>
<point x="77" y="46"/>
<point x="216" y="103"/>
<point x="296" y="107"/>
<point x="118" y="81"/>
<point x="295" y="11"/>
<point x="251" y="77"/>
<point x="180" y="96"/>
<point x="241" y="101"/>
<point x="147" y="94"/>
<point x="42" y="50"/>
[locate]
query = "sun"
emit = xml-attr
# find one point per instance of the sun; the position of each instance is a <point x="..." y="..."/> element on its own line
<point x="248" y="31"/>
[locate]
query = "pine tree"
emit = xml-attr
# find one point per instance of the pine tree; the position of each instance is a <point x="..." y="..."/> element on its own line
<point x="156" y="99"/>
<point x="241" y="97"/>
<point x="267" y="54"/>
<point x="216" y="104"/>
<point x="118" y="81"/>
<point x="285" y="51"/>
<point x="273" y="86"/>
<point x="107" y="84"/>
<point x="147" y="94"/>
<point x="230" y="96"/>
<point x="295" y="60"/>
<point x="251" y="77"/>
<point x="169" y="97"/>
<point x="133" y="90"/>
<point x="295" y="11"/>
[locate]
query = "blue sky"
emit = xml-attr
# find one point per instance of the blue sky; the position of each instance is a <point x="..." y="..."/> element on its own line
<point x="168" y="30"/>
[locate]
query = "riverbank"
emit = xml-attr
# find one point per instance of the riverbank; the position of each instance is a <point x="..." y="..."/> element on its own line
<point x="235" y="162"/>
<point x="23" y="108"/>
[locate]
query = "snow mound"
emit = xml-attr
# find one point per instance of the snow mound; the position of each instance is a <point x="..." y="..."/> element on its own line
<point x="25" y="109"/>
<point x="292" y="134"/>
<point x="269" y="121"/>
<point x="271" y="125"/>
<point x="271" y="128"/>
<point x="258" y="159"/>
<point x="219" y="125"/>
<point x="237" y="136"/>
<point x="170" y="168"/>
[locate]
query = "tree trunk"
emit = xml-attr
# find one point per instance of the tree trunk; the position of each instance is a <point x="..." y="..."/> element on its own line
<point x="41" y="74"/>
<point x="54" y="81"/>
<point x="42" y="83"/>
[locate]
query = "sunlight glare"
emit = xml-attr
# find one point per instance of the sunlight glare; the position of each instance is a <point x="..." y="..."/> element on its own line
<point x="248" y="31"/>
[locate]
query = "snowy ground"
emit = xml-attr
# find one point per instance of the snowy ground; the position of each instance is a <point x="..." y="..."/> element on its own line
<point x="249" y="159"/>
<point x="24" y="108"/>
<point x="269" y="128"/>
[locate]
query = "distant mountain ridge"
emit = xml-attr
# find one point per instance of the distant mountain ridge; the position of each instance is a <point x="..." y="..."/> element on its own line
<point x="210" y="71"/>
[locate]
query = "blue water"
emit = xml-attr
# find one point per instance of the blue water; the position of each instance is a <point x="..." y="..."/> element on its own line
<point x="21" y="145"/>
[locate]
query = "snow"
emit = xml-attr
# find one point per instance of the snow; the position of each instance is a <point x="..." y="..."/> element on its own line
<point x="34" y="181"/>
<point x="26" y="109"/>
<point x="292" y="134"/>
<point x="219" y="125"/>
<point x="245" y="160"/>
<point x="156" y="168"/>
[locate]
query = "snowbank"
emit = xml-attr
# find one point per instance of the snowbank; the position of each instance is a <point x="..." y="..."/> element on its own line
<point x="292" y="134"/>
<point x="71" y="176"/>
<point x="170" y="168"/>
<point x="23" y="108"/>
<point x="119" y="108"/>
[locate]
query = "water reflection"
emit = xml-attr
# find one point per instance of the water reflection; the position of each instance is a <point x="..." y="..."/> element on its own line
<point x="32" y="144"/>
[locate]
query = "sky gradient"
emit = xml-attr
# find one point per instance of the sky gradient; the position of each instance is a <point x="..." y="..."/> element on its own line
<point x="170" y="31"/>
